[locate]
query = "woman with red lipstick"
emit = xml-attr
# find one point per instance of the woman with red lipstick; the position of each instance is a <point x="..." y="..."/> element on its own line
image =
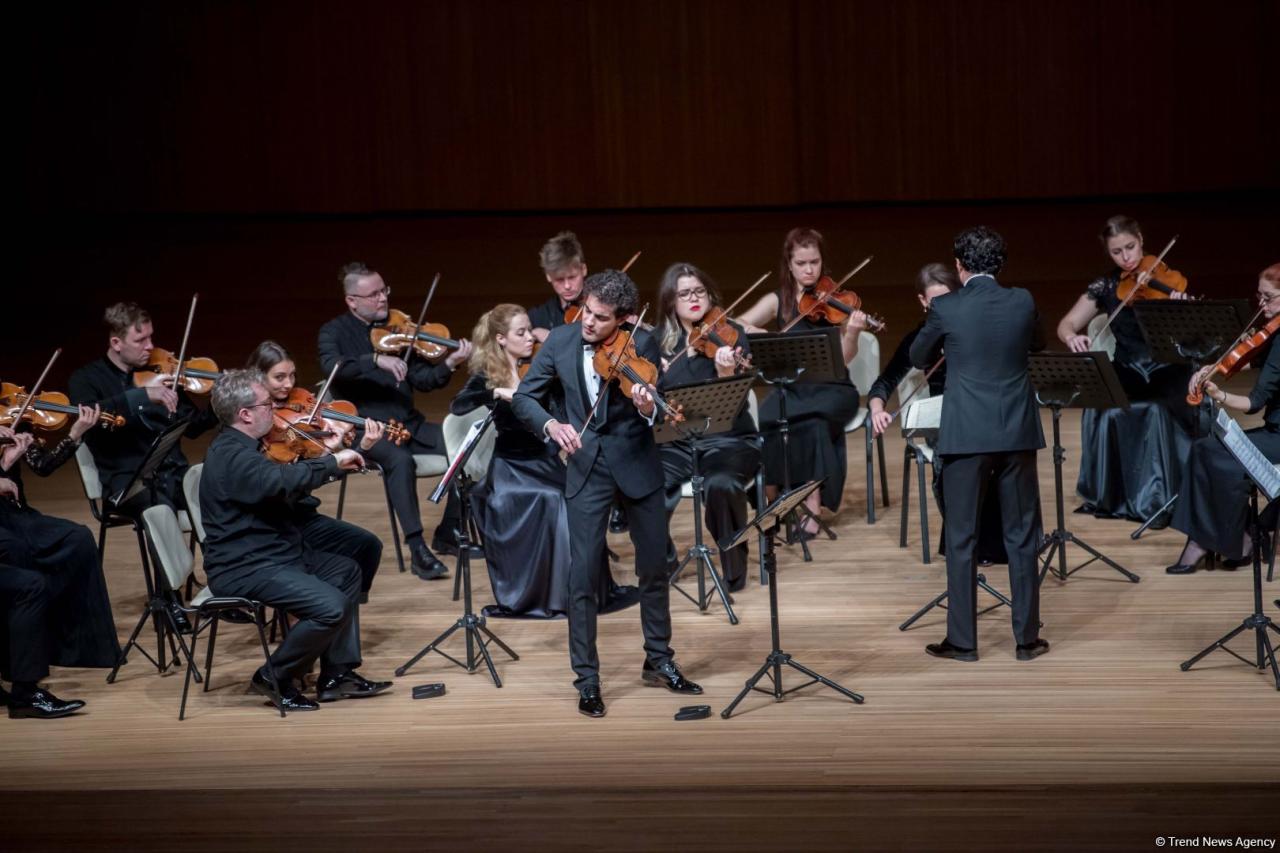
<point x="728" y="461"/>
<point x="816" y="411"/>
<point x="1130" y="461"/>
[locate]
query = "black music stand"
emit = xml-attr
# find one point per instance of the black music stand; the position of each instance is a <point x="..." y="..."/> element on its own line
<point x="709" y="408"/>
<point x="477" y="633"/>
<point x="1264" y="477"/>
<point x="784" y="359"/>
<point x="1084" y="380"/>
<point x="767" y="523"/>
<point x="156" y="607"/>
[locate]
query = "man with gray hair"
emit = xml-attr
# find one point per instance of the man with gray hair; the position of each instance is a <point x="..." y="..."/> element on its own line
<point x="253" y="548"/>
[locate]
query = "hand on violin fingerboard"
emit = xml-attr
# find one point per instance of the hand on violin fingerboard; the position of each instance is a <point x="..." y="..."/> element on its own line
<point x="460" y="355"/>
<point x="643" y="400"/>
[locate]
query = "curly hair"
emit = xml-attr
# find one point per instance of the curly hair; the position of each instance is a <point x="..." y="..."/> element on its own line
<point x="980" y="250"/>
<point x="234" y="391"/>
<point x="487" y="355"/>
<point x="613" y="288"/>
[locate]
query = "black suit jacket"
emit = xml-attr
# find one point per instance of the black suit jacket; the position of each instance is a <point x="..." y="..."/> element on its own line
<point x="617" y="431"/>
<point x="987" y="332"/>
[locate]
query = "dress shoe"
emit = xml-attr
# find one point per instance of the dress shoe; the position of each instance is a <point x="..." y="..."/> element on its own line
<point x="1185" y="568"/>
<point x="736" y="584"/>
<point x="349" y="685"/>
<point x="426" y="565"/>
<point x="1027" y="651"/>
<point x="589" y="702"/>
<point x="668" y="675"/>
<point x="618" y="521"/>
<point x="449" y="547"/>
<point x="946" y="650"/>
<point x="41" y="705"/>
<point x="180" y="620"/>
<point x="291" y="699"/>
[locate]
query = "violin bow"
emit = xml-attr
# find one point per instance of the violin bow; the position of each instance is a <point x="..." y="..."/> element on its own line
<point x="408" y="352"/>
<point x="35" y="389"/>
<point x="182" y="353"/>
<point x="324" y="391"/>
<point x="902" y="404"/>
<point x="628" y="264"/>
<point x="1133" y="293"/>
<point x="826" y="297"/>
<point x="1227" y="351"/>
<point x="613" y="367"/>
<point x="727" y="312"/>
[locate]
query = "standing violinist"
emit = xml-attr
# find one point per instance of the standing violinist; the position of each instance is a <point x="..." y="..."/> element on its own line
<point x="381" y="386"/>
<point x="1213" y="504"/>
<point x="565" y="268"/>
<point x="728" y="461"/>
<point x="611" y="454"/>
<point x="323" y="532"/>
<point x="109" y="382"/>
<point x="1131" y="460"/>
<point x="817" y="412"/>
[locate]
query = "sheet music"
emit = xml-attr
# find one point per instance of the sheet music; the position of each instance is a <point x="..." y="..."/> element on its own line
<point x="1256" y="465"/>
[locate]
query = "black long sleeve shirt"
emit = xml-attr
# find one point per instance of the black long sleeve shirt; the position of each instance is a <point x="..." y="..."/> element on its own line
<point x="900" y="365"/>
<point x="1266" y="390"/>
<point x="43" y="462"/>
<point x="514" y="440"/>
<point x="691" y="369"/>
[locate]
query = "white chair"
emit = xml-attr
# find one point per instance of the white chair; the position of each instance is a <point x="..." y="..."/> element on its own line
<point x="921" y="418"/>
<point x="455" y="429"/>
<point x="863" y="370"/>
<point x="1100" y="341"/>
<point x="191" y="491"/>
<point x="101" y="509"/>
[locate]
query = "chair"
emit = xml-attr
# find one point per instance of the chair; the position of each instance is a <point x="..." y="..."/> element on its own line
<point x="921" y="419"/>
<point x="1101" y="341"/>
<point x="455" y="428"/>
<point x="176" y="563"/>
<point x="863" y="370"/>
<point x="425" y="465"/>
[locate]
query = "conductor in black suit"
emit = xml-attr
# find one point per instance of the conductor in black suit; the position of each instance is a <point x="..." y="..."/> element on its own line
<point x="614" y="455"/>
<point x="988" y="437"/>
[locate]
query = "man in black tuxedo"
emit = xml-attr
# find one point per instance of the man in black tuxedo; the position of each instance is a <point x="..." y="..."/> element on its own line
<point x="611" y="453"/>
<point x="381" y="387"/>
<point x="988" y="437"/>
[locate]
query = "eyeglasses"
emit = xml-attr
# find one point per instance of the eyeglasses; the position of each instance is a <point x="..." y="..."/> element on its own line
<point x="259" y="405"/>
<point x="377" y="294"/>
<point x="1265" y="298"/>
<point x="691" y="294"/>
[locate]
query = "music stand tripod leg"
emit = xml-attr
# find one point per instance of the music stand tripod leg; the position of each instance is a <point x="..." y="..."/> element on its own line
<point x="699" y="552"/>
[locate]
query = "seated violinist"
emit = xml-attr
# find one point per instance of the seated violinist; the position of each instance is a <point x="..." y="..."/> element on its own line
<point x="323" y="532"/>
<point x="255" y="549"/>
<point x="565" y="268"/>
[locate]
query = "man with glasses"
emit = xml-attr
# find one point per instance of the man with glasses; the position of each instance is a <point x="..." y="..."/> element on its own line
<point x="381" y="386"/>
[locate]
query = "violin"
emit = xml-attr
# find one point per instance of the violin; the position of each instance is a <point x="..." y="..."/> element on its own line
<point x="398" y="333"/>
<point x="617" y="356"/>
<point x="523" y="365"/>
<point x="715" y="331"/>
<point x="196" y="375"/>
<point x="48" y="410"/>
<point x="1152" y="278"/>
<point x="825" y="301"/>
<point x="573" y="311"/>
<point x="299" y="428"/>
<point x="1237" y="358"/>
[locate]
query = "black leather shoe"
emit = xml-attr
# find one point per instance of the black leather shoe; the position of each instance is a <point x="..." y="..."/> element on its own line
<point x="449" y="547"/>
<point x="589" y="702"/>
<point x="180" y="620"/>
<point x="426" y="565"/>
<point x="290" y="697"/>
<point x="668" y="675"/>
<point x="618" y="521"/>
<point x="1027" y="651"/>
<point x="1185" y="568"/>
<point x="41" y="705"/>
<point x="946" y="650"/>
<point x="349" y="685"/>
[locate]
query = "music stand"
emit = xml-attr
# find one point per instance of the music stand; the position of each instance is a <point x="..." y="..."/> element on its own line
<point x="156" y="606"/>
<point x="783" y="359"/>
<point x="477" y="633"/>
<point x="709" y="408"/>
<point x="767" y="523"/>
<point x="1082" y="380"/>
<point x="1264" y="477"/>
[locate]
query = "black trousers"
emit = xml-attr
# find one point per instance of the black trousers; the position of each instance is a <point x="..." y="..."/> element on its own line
<point x="1213" y="503"/>
<point x="322" y="592"/>
<point x="968" y="479"/>
<point x="332" y="536"/>
<point x="24" y="599"/>
<point x="588" y="526"/>
<point x="401" y="479"/>
<point x="728" y="464"/>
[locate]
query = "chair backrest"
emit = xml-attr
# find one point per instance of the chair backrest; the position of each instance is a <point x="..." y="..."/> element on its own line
<point x="753" y="407"/>
<point x="922" y="413"/>
<point x="191" y="490"/>
<point x="168" y="544"/>
<point x="865" y="366"/>
<point x="455" y="433"/>
<point x="913" y="386"/>
<point x="1100" y="341"/>
<point x="89" y="477"/>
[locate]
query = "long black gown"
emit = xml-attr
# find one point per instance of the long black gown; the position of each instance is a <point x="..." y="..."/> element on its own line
<point x="1213" y="505"/>
<point x="817" y="413"/>
<point x="520" y="509"/>
<point x="728" y="462"/>
<point x="1131" y="461"/>
<point x="79" y="629"/>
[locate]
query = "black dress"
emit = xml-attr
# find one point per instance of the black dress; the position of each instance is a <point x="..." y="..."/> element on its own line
<point x="79" y="629"/>
<point x="728" y="461"/>
<point x="520" y="509"/>
<point x="1131" y="461"/>
<point x="817" y="413"/>
<point x="1213" y="505"/>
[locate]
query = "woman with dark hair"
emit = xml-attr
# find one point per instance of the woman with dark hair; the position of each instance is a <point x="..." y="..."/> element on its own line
<point x="728" y="461"/>
<point x="322" y="532"/>
<point x="519" y="506"/>
<point x="1212" y="506"/>
<point x="817" y="412"/>
<point x="1130" y="461"/>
